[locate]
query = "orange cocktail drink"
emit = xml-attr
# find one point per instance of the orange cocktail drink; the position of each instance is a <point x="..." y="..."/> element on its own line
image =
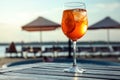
<point x="74" y="23"/>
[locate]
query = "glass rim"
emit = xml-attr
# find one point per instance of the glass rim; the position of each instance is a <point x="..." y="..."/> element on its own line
<point x="78" y="4"/>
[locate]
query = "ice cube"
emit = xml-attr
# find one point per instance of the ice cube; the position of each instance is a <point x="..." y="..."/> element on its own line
<point x="79" y="14"/>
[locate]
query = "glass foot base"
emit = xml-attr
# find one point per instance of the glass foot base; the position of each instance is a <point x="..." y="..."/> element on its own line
<point x="74" y="69"/>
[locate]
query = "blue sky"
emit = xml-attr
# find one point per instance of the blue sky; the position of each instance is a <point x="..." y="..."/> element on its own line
<point x="15" y="13"/>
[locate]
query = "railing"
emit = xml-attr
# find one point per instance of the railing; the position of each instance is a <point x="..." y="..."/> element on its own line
<point x="59" y="49"/>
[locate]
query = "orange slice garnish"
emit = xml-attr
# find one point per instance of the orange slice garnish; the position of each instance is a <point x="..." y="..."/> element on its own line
<point x="68" y="24"/>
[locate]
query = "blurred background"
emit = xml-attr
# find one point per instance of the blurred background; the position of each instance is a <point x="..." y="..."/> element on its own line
<point x="14" y="14"/>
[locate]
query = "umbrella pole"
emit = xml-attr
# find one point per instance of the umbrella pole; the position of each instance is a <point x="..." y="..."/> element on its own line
<point x="69" y="49"/>
<point x="108" y="41"/>
<point x="41" y="43"/>
<point x="108" y="36"/>
<point x="40" y="38"/>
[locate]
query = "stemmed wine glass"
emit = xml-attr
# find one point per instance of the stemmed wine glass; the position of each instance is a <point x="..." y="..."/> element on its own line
<point x="74" y="26"/>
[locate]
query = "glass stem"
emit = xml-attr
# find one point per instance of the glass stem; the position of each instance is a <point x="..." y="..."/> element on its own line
<point x="74" y="53"/>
